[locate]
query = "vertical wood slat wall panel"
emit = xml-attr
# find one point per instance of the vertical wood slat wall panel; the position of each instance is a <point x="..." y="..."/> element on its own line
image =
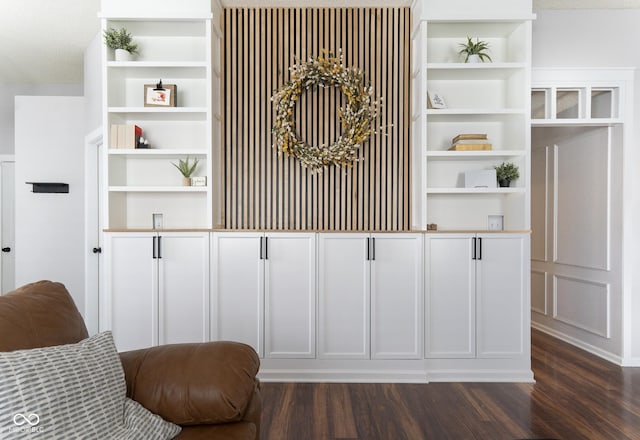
<point x="267" y="190"/>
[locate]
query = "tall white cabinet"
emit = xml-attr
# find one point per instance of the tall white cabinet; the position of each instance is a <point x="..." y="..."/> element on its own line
<point x="477" y="292"/>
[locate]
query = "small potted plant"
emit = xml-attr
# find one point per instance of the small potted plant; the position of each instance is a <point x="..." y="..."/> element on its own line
<point x="186" y="169"/>
<point x="475" y="52"/>
<point x="121" y="41"/>
<point x="506" y="172"/>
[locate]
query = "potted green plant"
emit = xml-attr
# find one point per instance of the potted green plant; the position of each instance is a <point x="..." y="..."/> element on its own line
<point x="121" y="42"/>
<point x="186" y="169"/>
<point x="506" y="172"/>
<point x="475" y="52"/>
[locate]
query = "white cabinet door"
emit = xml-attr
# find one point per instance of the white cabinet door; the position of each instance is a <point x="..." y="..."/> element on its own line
<point x="450" y="308"/>
<point x="396" y="296"/>
<point x="183" y="287"/>
<point x="237" y="288"/>
<point x="343" y="296"/>
<point x="130" y="304"/>
<point x="290" y="304"/>
<point x="501" y="290"/>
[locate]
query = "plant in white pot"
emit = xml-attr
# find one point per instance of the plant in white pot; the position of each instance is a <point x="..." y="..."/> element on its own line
<point x="121" y="42"/>
<point x="186" y="169"/>
<point x="475" y="52"/>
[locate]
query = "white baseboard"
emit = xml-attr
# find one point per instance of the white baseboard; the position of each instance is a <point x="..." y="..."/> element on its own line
<point x="342" y="376"/>
<point x="611" y="357"/>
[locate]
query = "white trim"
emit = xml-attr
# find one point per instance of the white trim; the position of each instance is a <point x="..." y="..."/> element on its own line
<point x="606" y="355"/>
<point x="92" y="223"/>
<point x="343" y="376"/>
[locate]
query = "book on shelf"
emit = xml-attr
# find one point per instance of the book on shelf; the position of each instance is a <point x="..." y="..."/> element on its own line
<point x="471" y="147"/>
<point x="125" y="136"/>
<point x="469" y="136"/>
<point x="470" y="142"/>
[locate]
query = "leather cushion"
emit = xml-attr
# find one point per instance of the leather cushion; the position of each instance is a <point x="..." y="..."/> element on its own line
<point x="39" y="314"/>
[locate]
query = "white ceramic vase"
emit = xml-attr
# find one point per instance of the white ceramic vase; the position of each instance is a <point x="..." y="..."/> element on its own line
<point x="123" y="55"/>
<point x="474" y="59"/>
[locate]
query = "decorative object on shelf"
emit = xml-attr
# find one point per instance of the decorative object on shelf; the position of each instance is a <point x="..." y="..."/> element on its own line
<point x="186" y="169"/>
<point x="356" y="117"/>
<point x="432" y="227"/>
<point x="480" y="179"/>
<point x="435" y="100"/>
<point x="142" y="143"/>
<point x="199" y="181"/>
<point x="506" y="172"/>
<point x="121" y="42"/>
<point x="160" y="95"/>
<point x="475" y="52"/>
<point x="470" y="142"/>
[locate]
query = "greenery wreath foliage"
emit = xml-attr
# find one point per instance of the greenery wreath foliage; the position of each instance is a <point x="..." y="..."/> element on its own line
<point x="356" y="117"/>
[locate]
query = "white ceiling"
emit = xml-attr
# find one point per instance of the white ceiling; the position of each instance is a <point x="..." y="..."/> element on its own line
<point x="42" y="41"/>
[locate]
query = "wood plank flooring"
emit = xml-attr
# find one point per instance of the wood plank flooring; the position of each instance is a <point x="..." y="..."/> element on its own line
<point x="576" y="396"/>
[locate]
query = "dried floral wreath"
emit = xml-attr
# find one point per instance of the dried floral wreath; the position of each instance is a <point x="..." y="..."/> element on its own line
<point x="356" y="117"/>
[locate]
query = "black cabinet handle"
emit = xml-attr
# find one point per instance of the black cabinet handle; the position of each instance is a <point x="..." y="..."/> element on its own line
<point x="160" y="247"/>
<point x="261" y="249"/>
<point x="266" y="248"/>
<point x="373" y="248"/>
<point x="473" y="248"/>
<point x="479" y="248"/>
<point x="368" y="249"/>
<point x="6" y="249"/>
<point x="155" y="256"/>
<point x="95" y="250"/>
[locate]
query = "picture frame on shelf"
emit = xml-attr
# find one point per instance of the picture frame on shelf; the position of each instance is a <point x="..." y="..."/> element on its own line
<point x="160" y="95"/>
<point x="436" y="100"/>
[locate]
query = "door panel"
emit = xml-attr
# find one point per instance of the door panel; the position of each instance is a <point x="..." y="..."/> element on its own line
<point x="290" y="296"/>
<point x="343" y="296"/>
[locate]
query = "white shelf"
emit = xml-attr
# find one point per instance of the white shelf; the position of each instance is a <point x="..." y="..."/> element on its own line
<point x="173" y="16"/>
<point x="475" y="111"/>
<point x="157" y="64"/>
<point x="471" y="155"/>
<point x="472" y="71"/>
<point x="156" y="152"/>
<point x="515" y="190"/>
<point x="157" y="109"/>
<point x="158" y="189"/>
<point x="604" y="122"/>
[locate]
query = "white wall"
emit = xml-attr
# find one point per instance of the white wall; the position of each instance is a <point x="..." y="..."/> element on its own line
<point x="7" y="94"/>
<point x="50" y="227"/>
<point x="603" y="38"/>
<point x="93" y="84"/>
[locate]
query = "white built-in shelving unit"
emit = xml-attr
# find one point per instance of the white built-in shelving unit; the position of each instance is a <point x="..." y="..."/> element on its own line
<point x="492" y="98"/>
<point x="181" y="49"/>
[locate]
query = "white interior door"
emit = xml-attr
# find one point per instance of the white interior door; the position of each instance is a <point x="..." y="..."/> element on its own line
<point x="7" y="241"/>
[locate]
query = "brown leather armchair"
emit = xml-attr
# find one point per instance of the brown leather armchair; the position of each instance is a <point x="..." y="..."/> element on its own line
<point x="210" y="389"/>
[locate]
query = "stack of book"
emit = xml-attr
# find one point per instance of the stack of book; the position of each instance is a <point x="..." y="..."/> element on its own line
<point x="470" y="142"/>
<point x="125" y="136"/>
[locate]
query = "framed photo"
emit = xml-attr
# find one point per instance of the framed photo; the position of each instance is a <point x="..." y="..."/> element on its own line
<point x="163" y="96"/>
<point x="436" y="100"/>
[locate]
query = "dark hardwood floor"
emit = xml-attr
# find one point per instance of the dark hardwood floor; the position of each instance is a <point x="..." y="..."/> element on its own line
<point x="576" y="396"/>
